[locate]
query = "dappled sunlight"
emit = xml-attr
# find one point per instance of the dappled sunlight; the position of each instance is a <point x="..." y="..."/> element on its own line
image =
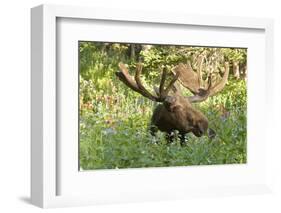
<point x="114" y="120"/>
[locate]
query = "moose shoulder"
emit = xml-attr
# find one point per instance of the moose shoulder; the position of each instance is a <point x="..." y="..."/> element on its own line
<point x="175" y="111"/>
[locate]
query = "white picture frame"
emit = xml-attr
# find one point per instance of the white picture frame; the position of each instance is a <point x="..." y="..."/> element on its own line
<point x="46" y="167"/>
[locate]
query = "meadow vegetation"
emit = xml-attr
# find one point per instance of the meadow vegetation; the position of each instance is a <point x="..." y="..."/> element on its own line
<point x="114" y="120"/>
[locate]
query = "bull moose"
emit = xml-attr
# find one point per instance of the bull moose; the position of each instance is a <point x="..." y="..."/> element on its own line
<point x="175" y="111"/>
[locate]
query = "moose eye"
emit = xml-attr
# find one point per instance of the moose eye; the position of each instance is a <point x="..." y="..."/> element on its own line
<point x="171" y="104"/>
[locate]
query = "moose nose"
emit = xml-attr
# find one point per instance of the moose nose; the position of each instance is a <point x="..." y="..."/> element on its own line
<point x="197" y="132"/>
<point x="201" y="130"/>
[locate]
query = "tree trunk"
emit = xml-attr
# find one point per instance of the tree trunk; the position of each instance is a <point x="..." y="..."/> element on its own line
<point x="133" y="52"/>
<point x="236" y="70"/>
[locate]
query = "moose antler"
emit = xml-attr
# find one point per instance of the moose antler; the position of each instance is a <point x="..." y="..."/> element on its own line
<point x="193" y="81"/>
<point x="136" y="84"/>
<point x="176" y="111"/>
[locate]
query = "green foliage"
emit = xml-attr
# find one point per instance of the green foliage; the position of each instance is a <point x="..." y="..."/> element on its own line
<point x="114" y="119"/>
<point x="238" y="55"/>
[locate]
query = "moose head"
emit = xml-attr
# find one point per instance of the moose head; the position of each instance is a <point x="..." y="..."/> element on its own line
<point x="175" y="111"/>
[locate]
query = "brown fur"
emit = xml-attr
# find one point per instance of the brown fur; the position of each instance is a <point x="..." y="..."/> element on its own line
<point x="176" y="113"/>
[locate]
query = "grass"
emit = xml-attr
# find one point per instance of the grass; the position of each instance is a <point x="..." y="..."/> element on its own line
<point x="114" y="132"/>
<point x="114" y="120"/>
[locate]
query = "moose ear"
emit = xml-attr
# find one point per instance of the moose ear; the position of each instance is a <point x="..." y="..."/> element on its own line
<point x="171" y="103"/>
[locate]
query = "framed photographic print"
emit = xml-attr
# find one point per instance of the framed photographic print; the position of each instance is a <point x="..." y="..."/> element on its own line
<point x="129" y="106"/>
